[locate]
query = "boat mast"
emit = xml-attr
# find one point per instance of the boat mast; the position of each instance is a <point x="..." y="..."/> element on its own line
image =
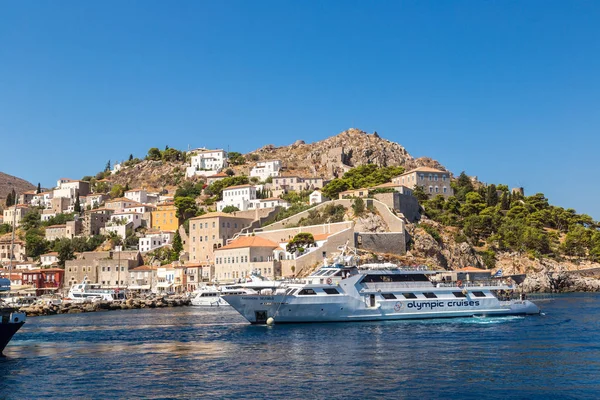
<point x="12" y="239"/>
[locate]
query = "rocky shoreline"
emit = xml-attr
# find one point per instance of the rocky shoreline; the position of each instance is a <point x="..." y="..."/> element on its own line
<point x="36" y="310"/>
<point x="559" y="281"/>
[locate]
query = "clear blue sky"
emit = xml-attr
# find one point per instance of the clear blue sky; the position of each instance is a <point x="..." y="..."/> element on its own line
<point x="505" y="90"/>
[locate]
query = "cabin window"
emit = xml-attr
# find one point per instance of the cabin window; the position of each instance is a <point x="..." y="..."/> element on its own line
<point x="459" y="294"/>
<point x="378" y="278"/>
<point x="388" y="296"/>
<point x="409" y="295"/>
<point x="331" y="291"/>
<point x="430" y="295"/>
<point x="478" y="294"/>
<point x="304" y="292"/>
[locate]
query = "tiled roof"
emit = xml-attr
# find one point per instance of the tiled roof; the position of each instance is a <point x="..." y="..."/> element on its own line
<point x="471" y="269"/>
<point x="214" y="215"/>
<point x="249" y="241"/>
<point x="237" y="187"/>
<point x="425" y="169"/>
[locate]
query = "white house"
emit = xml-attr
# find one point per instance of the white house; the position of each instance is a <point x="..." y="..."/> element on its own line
<point x="155" y="240"/>
<point x="206" y="162"/>
<point x="139" y="195"/>
<point x="241" y="196"/>
<point x="128" y="217"/>
<point x="49" y="258"/>
<point x="116" y="168"/>
<point x="317" y="197"/>
<point x="166" y="279"/>
<point x="265" y="169"/>
<point x="42" y="199"/>
<point x="273" y="202"/>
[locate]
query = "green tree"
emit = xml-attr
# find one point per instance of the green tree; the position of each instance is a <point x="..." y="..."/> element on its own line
<point x="505" y="201"/>
<point x="334" y="188"/>
<point x="235" y="158"/>
<point x="491" y="195"/>
<point x="171" y="154"/>
<point x="107" y="167"/>
<point x="473" y="205"/>
<point x="229" y="172"/>
<point x="216" y="188"/>
<point x="9" y="200"/>
<point x="35" y="243"/>
<point x="301" y="240"/>
<point x="177" y="243"/>
<point x="39" y="188"/>
<point x="117" y="191"/>
<point x="154" y="154"/>
<point x="32" y="219"/>
<point x="230" y="209"/>
<point x="65" y="250"/>
<point x="420" y="194"/>
<point x="186" y="207"/>
<point x="77" y="206"/>
<point x="130" y="157"/>
<point x="577" y="241"/>
<point x="358" y="206"/>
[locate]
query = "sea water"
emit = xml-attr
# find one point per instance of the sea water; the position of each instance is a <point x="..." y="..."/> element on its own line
<point x="214" y="353"/>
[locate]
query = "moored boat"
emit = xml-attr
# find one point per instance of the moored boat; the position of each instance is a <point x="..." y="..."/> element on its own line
<point x="11" y="320"/>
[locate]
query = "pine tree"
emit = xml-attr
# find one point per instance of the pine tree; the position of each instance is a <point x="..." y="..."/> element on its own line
<point x="492" y="196"/>
<point x="505" y="201"/>
<point x="9" y="201"/>
<point x="177" y="244"/>
<point x="77" y="206"/>
<point x="130" y="157"/>
<point x="39" y="188"/>
<point x="107" y="168"/>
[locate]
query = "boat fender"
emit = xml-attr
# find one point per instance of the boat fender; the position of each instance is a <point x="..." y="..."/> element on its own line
<point x="465" y="292"/>
<point x="329" y="281"/>
<point x="459" y="283"/>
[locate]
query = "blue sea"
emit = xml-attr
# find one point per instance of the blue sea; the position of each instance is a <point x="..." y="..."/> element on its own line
<point x="187" y="353"/>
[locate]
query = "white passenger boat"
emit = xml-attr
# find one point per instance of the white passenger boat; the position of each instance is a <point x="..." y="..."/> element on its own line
<point x="377" y="292"/>
<point x="91" y="292"/>
<point x="208" y="296"/>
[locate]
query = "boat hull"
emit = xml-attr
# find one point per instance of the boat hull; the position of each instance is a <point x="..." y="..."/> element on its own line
<point x="7" y="331"/>
<point x="258" y="309"/>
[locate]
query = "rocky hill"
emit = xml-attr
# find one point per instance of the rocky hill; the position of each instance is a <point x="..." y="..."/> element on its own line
<point x="151" y="175"/>
<point x="335" y="155"/>
<point x="9" y="182"/>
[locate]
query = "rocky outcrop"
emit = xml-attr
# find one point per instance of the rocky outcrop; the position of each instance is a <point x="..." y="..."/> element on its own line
<point x="35" y="310"/>
<point x="335" y="155"/>
<point x="9" y="182"/>
<point x="151" y="174"/>
<point x="559" y="281"/>
<point x="370" y="222"/>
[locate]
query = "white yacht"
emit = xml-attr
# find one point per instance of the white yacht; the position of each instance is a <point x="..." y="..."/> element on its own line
<point x="213" y="295"/>
<point x="91" y="292"/>
<point x="371" y="292"/>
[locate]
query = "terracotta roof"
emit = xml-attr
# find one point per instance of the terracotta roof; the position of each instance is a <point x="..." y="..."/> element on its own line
<point x="471" y="269"/>
<point x="249" y="241"/>
<point x="122" y="199"/>
<point x="219" y="175"/>
<point x="52" y="253"/>
<point x="274" y="198"/>
<point x="321" y="236"/>
<point x="389" y="185"/>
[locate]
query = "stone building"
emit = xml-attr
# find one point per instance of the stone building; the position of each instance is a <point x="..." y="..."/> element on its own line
<point x="433" y="181"/>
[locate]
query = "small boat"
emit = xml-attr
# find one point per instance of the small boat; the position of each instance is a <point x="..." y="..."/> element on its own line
<point x="11" y="320"/>
<point x="208" y="296"/>
<point x="86" y="292"/>
<point x="373" y="292"/>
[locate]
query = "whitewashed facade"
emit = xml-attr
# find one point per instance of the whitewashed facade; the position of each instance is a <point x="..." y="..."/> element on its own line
<point x="206" y="162"/>
<point x="265" y="169"/>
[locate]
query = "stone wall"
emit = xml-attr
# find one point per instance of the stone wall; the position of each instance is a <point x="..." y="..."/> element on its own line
<point x="408" y="205"/>
<point x="387" y="242"/>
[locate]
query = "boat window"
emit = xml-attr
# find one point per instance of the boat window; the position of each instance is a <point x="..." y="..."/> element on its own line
<point x="388" y="296"/>
<point x="331" y="291"/>
<point x="377" y="278"/>
<point x="478" y="294"/>
<point x="339" y="273"/>
<point x="304" y="292"/>
<point x="430" y="295"/>
<point x="331" y="273"/>
<point x="289" y="291"/>
<point x="459" y="294"/>
<point x="319" y="273"/>
<point x="409" y="295"/>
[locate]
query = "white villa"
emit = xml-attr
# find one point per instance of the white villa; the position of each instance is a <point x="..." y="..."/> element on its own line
<point x="265" y="169"/>
<point x="206" y="162"/>
<point x="155" y="240"/>
<point x="139" y="195"/>
<point x="317" y="197"/>
<point x="244" y="198"/>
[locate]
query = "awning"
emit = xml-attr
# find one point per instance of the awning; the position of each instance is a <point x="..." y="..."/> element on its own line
<point x="163" y="284"/>
<point x="139" y="287"/>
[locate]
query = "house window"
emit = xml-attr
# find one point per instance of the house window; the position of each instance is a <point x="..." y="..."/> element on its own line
<point x="437" y="189"/>
<point x="445" y="189"/>
<point x="430" y="189"/>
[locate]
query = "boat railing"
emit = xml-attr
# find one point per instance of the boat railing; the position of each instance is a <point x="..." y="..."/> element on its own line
<point x="390" y="266"/>
<point x="476" y="284"/>
<point x="395" y="285"/>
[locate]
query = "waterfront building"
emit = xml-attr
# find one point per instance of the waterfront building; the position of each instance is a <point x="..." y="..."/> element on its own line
<point x="44" y="281"/>
<point x="143" y="278"/>
<point x="18" y="249"/>
<point x="245" y="254"/>
<point x="49" y="259"/>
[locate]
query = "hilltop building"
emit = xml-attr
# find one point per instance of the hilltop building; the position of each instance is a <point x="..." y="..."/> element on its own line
<point x="433" y="181"/>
